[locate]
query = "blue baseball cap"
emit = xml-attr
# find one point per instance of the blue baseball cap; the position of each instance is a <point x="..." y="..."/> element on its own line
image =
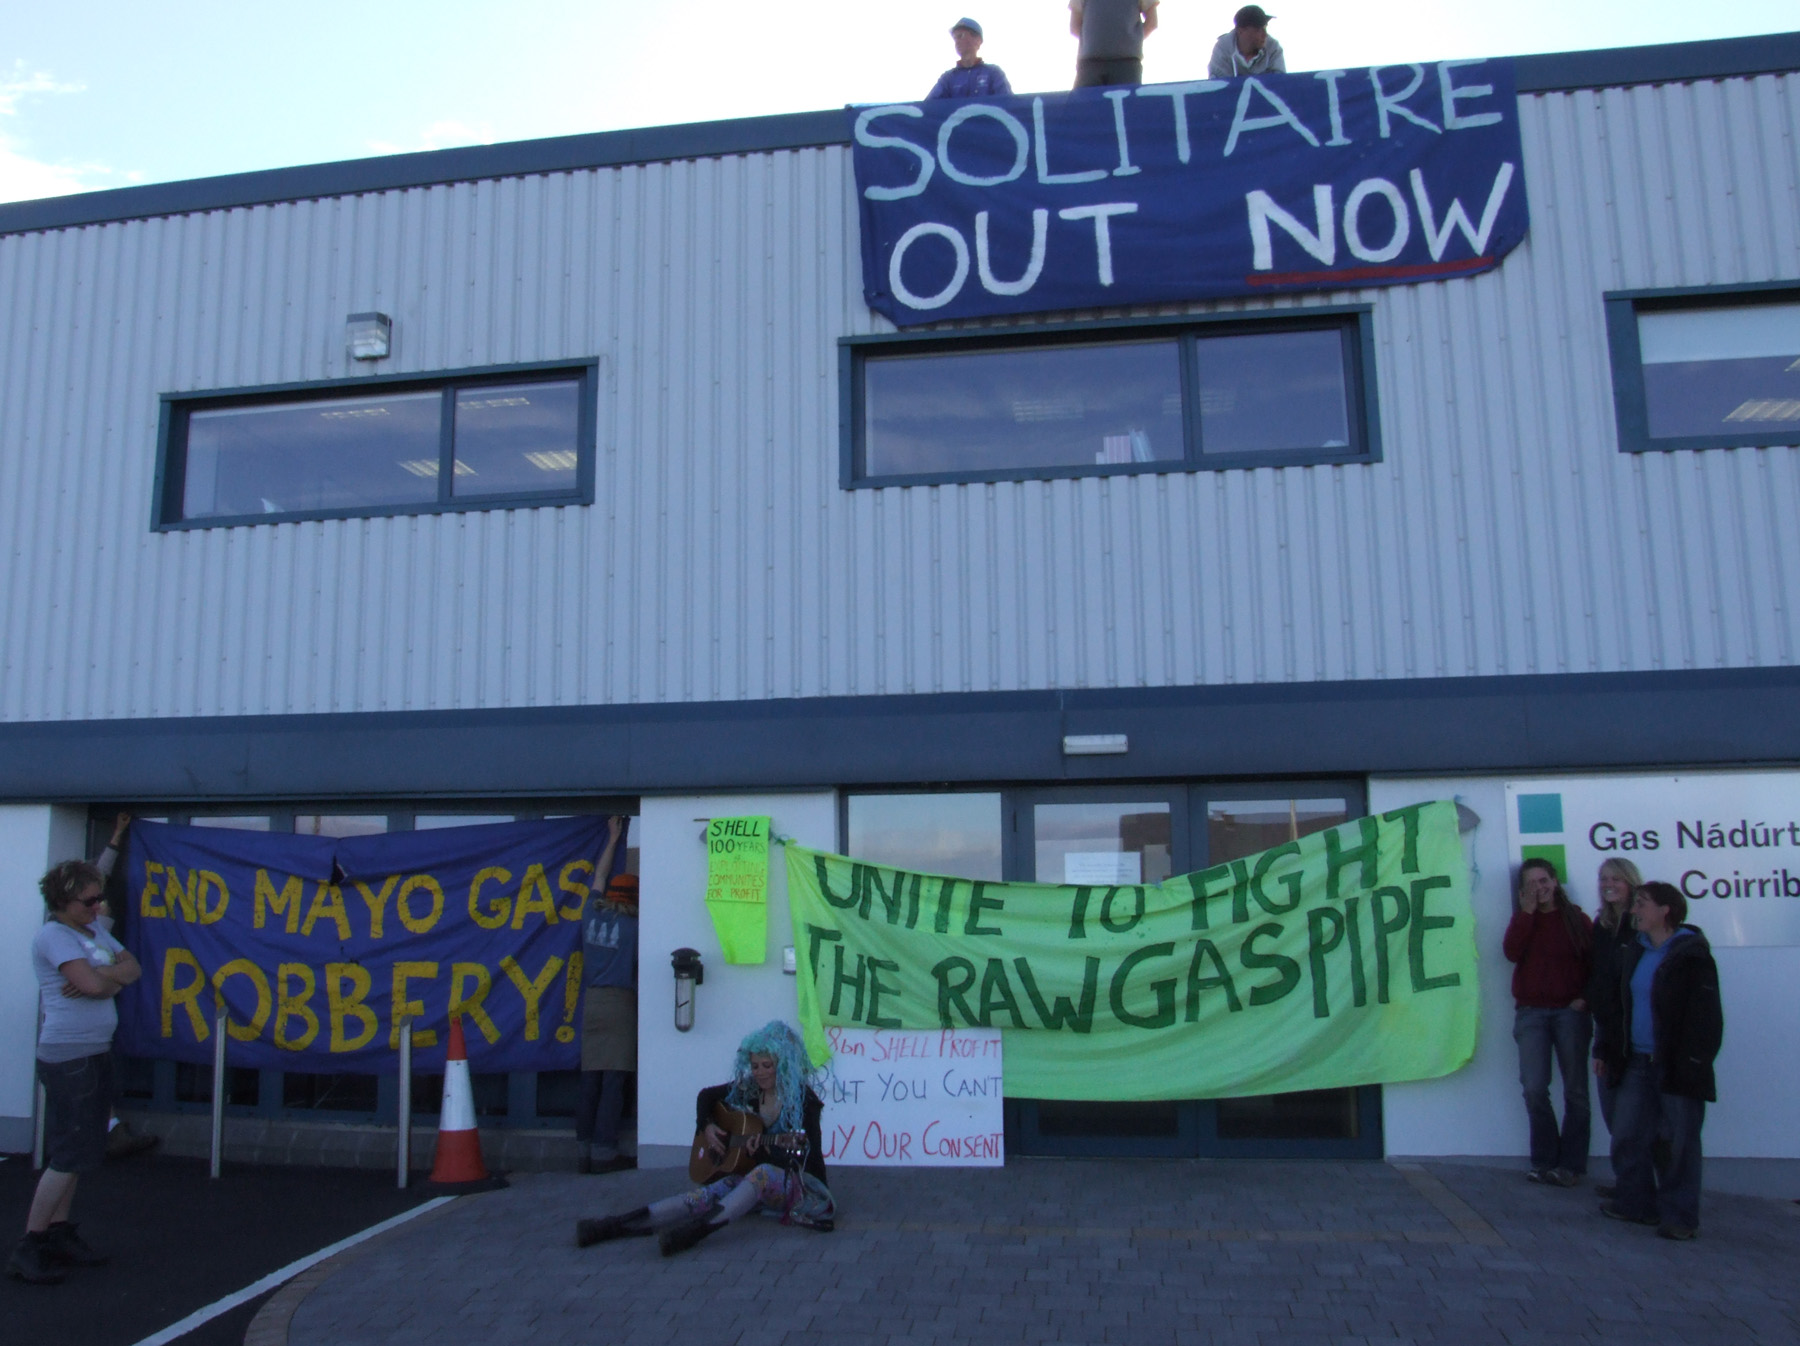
<point x="971" y="25"/>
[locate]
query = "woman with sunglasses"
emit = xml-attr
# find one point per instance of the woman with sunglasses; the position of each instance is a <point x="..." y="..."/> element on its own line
<point x="80" y="968"/>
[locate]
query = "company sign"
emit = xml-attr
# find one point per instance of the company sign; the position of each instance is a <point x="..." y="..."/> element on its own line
<point x="1730" y="842"/>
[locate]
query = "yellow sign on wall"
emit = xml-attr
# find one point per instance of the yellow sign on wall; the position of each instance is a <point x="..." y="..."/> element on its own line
<point x="737" y="886"/>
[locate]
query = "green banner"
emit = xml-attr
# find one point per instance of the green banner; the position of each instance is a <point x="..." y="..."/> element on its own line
<point x="1345" y="957"/>
<point x="737" y="886"/>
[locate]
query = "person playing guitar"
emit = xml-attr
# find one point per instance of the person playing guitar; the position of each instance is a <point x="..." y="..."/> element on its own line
<point x="771" y="1082"/>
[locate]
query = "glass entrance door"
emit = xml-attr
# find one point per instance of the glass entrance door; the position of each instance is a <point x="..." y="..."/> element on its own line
<point x="1113" y="836"/>
<point x="1124" y="835"/>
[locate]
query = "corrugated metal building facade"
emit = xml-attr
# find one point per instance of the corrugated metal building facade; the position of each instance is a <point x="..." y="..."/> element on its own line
<point x="1503" y="536"/>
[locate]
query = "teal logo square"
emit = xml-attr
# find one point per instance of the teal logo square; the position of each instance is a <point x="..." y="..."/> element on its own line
<point x="1540" y="813"/>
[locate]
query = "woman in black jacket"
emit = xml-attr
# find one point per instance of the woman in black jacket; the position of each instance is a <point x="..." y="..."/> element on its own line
<point x="1660" y="1027"/>
<point x="773" y="1080"/>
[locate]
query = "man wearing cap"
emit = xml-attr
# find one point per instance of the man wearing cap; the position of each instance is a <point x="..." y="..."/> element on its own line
<point x="970" y="77"/>
<point x="1112" y="34"/>
<point x="1247" y="49"/>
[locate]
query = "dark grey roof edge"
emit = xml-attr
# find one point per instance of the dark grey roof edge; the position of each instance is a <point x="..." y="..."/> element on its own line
<point x="429" y="168"/>
<point x="1609" y="67"/>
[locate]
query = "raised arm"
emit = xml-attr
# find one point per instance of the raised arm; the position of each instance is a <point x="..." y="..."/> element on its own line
<point x="110" y="856"/>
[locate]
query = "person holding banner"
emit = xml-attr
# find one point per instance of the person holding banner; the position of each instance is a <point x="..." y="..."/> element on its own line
<point x="1661" y="1025"/>
<point x="609" y="950"/>
<point x="80" y="968"/>
<point x="1247" y="49"/>
<point x="1112" y="34"/>
<point x="772" y="1080"/>
<point x="970" y="77"/>
<point x="1614" y="934"/>
<point x="1550" y="944"/>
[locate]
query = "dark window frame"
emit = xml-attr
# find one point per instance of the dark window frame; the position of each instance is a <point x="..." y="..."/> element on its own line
<point x="171" y="440"/>
<point x="1355" y="323"/>
<point x="1630" y="408"/>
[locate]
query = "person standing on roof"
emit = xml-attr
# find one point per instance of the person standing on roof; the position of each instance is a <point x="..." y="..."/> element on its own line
<point x="970" y="77"/>
<point x="1112" y="34"/>
<point x="1247" y="49"/>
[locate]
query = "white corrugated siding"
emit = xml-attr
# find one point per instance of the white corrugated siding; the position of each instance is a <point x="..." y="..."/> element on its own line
<point x="1503" y="533"/>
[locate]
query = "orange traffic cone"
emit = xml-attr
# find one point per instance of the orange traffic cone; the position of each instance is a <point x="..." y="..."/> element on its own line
<point x="457" y="1165"/>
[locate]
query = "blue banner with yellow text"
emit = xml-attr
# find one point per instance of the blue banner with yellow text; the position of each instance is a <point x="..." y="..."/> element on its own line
<point x="320" y="947"/>
<point x="1169" y="192"/>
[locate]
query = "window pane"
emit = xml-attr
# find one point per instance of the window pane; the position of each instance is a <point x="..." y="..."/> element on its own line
<point x="956" y="834"/>
<point x="1136" y="1120"/>
<point x="340" y="453"/>
<point x="340" y="824"/>
<point x="1719" y="371"/>
<point x="1317" y="1114"/>
<point x="328" y="1093"/>
<point x="1272" y="392"/>
<point x="425" y="822"/>
<point x="1039" y="406"/>
<point x="517" y="438"/>
<point x="1239" y="827"/>
<point x="237" y="824"/>
<point x="1102" y="843"/>
<point x="193" y="1084"/>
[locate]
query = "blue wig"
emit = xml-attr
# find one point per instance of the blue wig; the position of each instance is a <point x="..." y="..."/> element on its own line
<point x="794" y="1074"/>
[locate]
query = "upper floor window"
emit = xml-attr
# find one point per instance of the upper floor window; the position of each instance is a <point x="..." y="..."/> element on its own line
<point x="1264" y="391"/>
<point x="1706" y="369"/>
<point x="488" y="439"/>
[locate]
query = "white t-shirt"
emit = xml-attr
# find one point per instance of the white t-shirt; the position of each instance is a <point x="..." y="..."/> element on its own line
<point x="73" y="1026"/>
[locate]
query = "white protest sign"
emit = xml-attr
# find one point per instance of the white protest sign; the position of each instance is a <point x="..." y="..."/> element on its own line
<point x="900" y="1098"/>
<point x="1730" y="841"/>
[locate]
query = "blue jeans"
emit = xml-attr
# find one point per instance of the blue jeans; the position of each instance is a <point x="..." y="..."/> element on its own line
<point x="1647" y="1186"/>
<point x="1564" y="1032"/>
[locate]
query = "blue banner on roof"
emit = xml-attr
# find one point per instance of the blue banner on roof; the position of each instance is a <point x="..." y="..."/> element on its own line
<point x="320" y="947"/>
<point x="1167" y="192"/>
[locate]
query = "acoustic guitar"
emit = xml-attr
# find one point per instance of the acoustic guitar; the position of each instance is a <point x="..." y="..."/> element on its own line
<point x="739" y="1158"/>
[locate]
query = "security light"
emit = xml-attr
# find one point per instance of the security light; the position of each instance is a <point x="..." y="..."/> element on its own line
<point x="369" y="335"/>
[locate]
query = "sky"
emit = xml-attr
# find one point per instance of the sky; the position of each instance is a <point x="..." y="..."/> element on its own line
<point x="107" y="94"/>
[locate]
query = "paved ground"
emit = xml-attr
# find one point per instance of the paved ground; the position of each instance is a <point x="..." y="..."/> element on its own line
<point x="1086" y="1251"/>
<point x="180" y="1241"/>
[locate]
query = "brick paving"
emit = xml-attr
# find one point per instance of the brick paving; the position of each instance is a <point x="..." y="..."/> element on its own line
<point x="1081" y="1252"/>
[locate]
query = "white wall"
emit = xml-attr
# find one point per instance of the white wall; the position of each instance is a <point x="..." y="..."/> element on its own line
<point x="672" y="1066"/>
<point x="1479" y="1111"/>
<point x="32" y="838"/>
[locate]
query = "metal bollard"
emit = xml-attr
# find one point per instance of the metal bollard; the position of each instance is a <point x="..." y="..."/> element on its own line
<point x="220" y="1021"/>
<point x="403" y="1138"/>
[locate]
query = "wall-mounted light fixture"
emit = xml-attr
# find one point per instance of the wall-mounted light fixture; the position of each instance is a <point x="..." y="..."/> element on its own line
<point x="1094" y="745"/>
<point x="369" y="336"/>
<point x="689" y="973"/>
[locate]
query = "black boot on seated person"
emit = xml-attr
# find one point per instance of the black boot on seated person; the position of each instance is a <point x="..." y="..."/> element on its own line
<point x="67" y="1248"/>
<point x="678" y="1238"/>
<point x="629" y="1225"/>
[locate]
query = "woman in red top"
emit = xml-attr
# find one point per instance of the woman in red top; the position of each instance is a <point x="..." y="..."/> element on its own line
<point x="1550" y="943"/>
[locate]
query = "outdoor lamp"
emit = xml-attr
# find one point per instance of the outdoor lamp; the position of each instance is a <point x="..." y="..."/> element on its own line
<point x="369" y="336"/>
<point x="689" y="973"/>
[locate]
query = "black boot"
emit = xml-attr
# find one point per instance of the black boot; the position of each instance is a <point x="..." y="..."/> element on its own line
<point x="64" y="1246"/>
<point x="30" y="1262"/>
<point x="632" y="1224"/>
<point x="678" y="1238"/>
